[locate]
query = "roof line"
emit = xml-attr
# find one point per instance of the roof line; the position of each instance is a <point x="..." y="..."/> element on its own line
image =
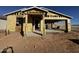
<point x="23" y="9"/>
<point x="57" y="12"/>
<point x="13" y="11"/>
<point x="42" y="8"/>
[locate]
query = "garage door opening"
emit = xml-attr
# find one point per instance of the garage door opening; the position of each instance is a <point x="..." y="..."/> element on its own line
<point x="55" y="26"/>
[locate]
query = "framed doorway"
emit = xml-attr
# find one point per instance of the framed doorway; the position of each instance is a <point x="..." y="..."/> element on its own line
<point x="19" y="24"/>
<point x="36" y="19"/>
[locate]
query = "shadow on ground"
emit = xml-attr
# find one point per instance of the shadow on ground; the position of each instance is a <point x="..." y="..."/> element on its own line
<point x="5" y="50"/>
<point x="75" y="41"/>
<point x="37" y="33"/>
<point x="22" y="33"/>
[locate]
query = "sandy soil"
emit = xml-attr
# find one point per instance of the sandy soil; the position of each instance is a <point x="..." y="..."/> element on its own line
<point x="52" y="42"/>
<point x="2" y="34"/>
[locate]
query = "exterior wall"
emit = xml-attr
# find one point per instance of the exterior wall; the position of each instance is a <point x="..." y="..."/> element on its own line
<point x="42" y="23"/>
<point x="51" y="14"/>
<point x="54" y="16"/>
<point x="11" y="23"/>
<point x="27" y="26"/>
<point x="3" y="24"/>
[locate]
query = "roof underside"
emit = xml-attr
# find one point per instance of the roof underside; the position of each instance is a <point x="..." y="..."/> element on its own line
<point x="39" y="8"/>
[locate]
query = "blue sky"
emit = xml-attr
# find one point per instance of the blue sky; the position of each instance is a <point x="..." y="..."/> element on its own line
<point x="72" y="11"/>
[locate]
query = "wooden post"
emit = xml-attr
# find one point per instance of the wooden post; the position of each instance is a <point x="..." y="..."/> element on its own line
<point x="43" y="26"/>
<point x="68" y="25"/>
<point x="26" y="20"/>
<point x="33" y="25"/>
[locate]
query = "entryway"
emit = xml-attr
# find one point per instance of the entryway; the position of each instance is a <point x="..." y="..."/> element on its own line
<point x="19" y="25"/>
<point x="36" y="23"/>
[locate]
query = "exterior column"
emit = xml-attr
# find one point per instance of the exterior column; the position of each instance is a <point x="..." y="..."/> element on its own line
<point x="43" y="31"/>
<point x="68" y="25"/>
<point x="33" y="26"/>
<point x="26" y="20"/>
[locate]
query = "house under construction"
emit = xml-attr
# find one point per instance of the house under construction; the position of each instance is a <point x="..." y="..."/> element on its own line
<point x="36" y="19"/>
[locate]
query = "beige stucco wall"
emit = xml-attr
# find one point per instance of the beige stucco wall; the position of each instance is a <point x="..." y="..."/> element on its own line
<point x="11" y="22"/>
<point x="28" y="24"/>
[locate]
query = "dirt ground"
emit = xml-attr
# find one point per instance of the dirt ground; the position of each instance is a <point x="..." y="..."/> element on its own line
<point x="50" y="43"/>
<point x="2" y="34"/>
